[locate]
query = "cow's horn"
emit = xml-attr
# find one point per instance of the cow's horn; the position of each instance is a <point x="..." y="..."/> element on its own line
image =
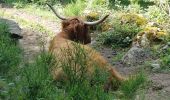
<point x="59" y="16"/>
<point x="96" y="22"/>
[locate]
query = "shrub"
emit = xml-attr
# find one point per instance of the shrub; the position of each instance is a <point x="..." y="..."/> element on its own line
<point x="121" y="35"/>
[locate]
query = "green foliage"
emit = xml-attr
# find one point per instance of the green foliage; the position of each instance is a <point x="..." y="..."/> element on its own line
<point x="10" y="57"/>
<point x="154" y="13"/>
<point x="121" y="35"/>
<point x="130" y="86"/>
<point x="10" y="53"/>
<point x="75" y="9"/>
<point x="37" y="81"/>
<point x="165" y="60"/>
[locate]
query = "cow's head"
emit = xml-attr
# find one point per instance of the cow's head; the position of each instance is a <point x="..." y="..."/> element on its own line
<point x="76" y="29"/>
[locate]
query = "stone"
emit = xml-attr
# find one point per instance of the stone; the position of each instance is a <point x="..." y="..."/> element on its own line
<point x="135" y="56"/>
<point x="14" y="28"/>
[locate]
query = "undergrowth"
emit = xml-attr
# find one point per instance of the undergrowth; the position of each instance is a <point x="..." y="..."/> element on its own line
<point x="130" y="86"/>
<point x="10" y="57"/>
<point x="121" y="36"/>
<point x="10" y="53"/>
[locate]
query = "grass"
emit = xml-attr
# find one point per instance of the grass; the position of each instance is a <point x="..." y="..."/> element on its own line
<point x="120" y="54"/>
<point x="75" y="9"/>
<point x="37" y="81"/>
<point x="130" y="86"/>
<point x="42" y="12"/>
<point x="10" y="58"/>
<point x="10" y="53"/>
<point x="165" y="60"/>
<point x="27" y="23"/>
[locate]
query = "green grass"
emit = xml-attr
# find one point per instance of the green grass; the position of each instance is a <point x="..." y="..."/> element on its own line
<point x="36" y="79"/>
<point x="75" y="9"/>
<point x="10" y="53"/>
<point x="10" y="59"/>
<point x="120" y="53"/>
<point x="130" y="86"/>
<point x="165" y="60"/>
<point x="27" y="23"/>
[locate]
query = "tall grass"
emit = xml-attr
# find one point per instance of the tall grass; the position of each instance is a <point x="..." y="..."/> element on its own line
<point x="130" y="86"/>
<point x="10" y="57"/>
<point x="37" y="81"/>
<point x="10" y="53"/>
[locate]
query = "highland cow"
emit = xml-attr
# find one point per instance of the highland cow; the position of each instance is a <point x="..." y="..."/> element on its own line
<point x="76" y="30"/>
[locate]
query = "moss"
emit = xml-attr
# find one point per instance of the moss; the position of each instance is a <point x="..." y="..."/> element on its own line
<point x="92" y="16"/>
<point x="155" y="32"/>
<point x="152" y="34"/>
<point x="106" y="26"/>
<point x="134" y="18"/>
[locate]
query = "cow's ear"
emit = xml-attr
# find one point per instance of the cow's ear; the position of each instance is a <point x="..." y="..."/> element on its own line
<point x="65" y="23"/>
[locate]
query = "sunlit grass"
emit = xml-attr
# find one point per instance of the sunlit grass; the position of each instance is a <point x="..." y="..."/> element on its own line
<point x="27" y="23"/>
<point x="44" y="13"/>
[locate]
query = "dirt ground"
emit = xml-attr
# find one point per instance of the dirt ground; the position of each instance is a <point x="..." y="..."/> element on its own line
<point x="32" y="45"/>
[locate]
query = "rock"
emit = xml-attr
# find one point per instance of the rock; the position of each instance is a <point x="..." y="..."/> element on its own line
<point x="2" y="1"/>
<point x="14" y="28"/>
<point x="135" y="56"/>
<point x="155" y="66"/>
<point x="109" y="56"/>
<point x="168" y="43"/>
<point x="156" y="87"/>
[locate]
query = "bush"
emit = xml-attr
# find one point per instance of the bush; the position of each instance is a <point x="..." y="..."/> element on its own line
<point x="121" y="35"/>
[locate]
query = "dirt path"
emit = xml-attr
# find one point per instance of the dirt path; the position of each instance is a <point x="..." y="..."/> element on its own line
<point x="32" y="39"/>
<point x="49" y="24"/>
<point x="32" y="44"/>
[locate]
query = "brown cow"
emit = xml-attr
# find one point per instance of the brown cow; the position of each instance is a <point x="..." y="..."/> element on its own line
<point x="76" y="30"/>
